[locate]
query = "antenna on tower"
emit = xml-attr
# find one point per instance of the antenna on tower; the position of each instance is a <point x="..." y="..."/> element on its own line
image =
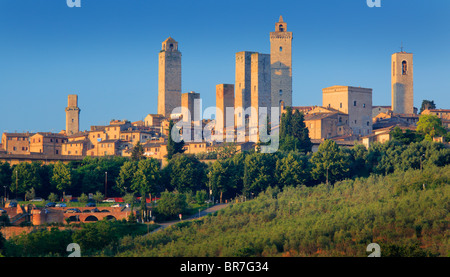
<point x="401" y="47"/>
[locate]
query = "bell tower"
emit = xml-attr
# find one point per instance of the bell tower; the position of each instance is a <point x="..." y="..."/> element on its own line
<point x="72" y="115"/>
<point x="402" y="83"/>
<point x="281" y="65"/>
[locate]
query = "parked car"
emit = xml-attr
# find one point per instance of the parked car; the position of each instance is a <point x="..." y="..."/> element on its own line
<point x="11" y="204"/>
<point x="50" y="204"/>
<point x="61" y="205"/>
<point x="110" y="200"/>
<point x="90" y="204"/>
<point x="37" y="199"/>
<point x="73" y="210"/>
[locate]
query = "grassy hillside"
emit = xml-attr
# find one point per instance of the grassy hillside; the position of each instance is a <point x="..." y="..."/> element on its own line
<point x="397" y="211"/>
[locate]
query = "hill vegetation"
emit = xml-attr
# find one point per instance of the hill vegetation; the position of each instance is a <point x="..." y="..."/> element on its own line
<point x="405" y="212"/>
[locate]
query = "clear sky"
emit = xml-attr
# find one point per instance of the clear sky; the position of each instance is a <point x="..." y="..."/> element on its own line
<point x="107" y="52"/>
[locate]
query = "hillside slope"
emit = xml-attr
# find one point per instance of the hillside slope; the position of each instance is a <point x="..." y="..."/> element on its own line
<point x="406" y="213"/>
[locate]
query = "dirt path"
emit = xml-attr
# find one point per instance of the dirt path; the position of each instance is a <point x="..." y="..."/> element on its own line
<point x="212" y="209"/>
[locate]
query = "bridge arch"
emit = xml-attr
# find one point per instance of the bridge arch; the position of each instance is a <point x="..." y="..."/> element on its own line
<point x="91" y="218"/>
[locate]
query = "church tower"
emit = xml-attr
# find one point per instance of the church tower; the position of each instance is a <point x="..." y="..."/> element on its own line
<point x="169" y="77"/>
<point x="72" y="115"/>
<point x="281" y="64"/>
<point x="402" y="83"/>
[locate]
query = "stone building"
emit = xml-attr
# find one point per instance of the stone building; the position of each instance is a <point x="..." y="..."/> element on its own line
<point x="326" y="123"/>
<point x="169" y="77"/>
<point x="47" y="143"/>
<point x="281" y="64"/>
<point x="260" y="90"/>
<point x="402" y="96"/>
<point x="354" y="101"/>
<point x="72" y="115"/>
<point x="242" y="99"/>
<point x="16" y="143"/>
<point x="190" y="101"/>
<point x="224" y="100"/>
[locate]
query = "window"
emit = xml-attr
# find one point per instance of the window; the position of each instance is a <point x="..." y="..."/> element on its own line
<point x="354" y="103"/>
<point x="281" y="92"/>
<point x="364" y="105"/>
<point x="404" y="68"/>
<point x="281" y="48"/>
<point x="340" y="105"/>
<point x="57" y="152"/>
<point x="281" y="28"/>
<point x="368" y="123"/>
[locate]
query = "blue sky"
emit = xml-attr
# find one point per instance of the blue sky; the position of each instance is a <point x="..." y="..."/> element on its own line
<point x="107" y="52"/>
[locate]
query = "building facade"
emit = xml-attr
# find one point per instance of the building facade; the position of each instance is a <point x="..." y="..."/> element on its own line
<point x="354" y="101"/>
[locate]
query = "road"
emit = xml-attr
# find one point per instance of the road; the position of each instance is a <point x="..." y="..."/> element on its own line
<point x="212" y="209"/>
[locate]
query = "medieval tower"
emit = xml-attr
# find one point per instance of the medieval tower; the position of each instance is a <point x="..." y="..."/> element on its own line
<point x="402" y="83"/>
<point x="72" y="115"/>
<point x="281" y="64"/>
<point x="169" y="77"/>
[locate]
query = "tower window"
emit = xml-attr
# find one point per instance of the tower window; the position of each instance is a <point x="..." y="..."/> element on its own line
<point x="281" y="48"/>
<point x="281" y="28"/>
<point x="404" y="68"/>
<point x="281" y="92"/>
<point x="354" y="103"/>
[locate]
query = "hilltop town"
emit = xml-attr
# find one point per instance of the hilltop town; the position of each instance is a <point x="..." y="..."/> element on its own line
<point x="346" y="114"/>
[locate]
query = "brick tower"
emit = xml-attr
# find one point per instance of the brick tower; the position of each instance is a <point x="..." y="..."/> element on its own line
<point x="281" y="64"/>
<point x="72" y="115"/>
<point x="169" y="79"/>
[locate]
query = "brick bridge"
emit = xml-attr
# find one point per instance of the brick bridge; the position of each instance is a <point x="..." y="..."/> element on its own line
<point x="85" y="214"/>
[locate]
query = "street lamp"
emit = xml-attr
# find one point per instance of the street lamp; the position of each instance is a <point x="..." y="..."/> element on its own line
<point x="106" y="182"/>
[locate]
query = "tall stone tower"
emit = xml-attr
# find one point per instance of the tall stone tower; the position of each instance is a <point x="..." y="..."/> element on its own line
<point x="72" y="115"/>
<point x="260" y="89"/>
<point x="281" y="64"/>
<point x="402" y="83"/>
<point x="242" y="99"/>
<point x="169" y="79"/>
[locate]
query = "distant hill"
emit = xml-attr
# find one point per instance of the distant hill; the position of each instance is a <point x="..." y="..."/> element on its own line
<point x="406" y="213"/>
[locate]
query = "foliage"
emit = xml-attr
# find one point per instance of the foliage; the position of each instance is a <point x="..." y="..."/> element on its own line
<point x="293" y="132"/>
<point x="427" y="105"/>
<point x="430" y="126"/>
<point x="61" y="177"/>
<point x="394" y="211"/>
<point x="330" y="163"/>
<point x="173" y="147"/>
<point x="137" y="153"/>
<point x="187" y="173"/>
<point x="171" y="204"/>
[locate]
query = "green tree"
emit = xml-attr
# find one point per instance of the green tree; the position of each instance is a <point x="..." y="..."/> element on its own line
<point x="430" y="126"/>
<point x="26" y="176"/>
<point x="293" y="170"/>
<point x="187" y="173"/>
<point x="330" y="163"/>
<point x="171" y="204"/>
<point x="126" y="175"/>
<point x="259" y="173"/>
<point x="137" y="152"/>
<point x="406" y="137"/>
<point x="61" y="177"/>
<point x="172" y="146"/>
<point x="427" y="105"/>
<point x="293" y="132"/>
<point x="5" y="174"/>
<point x="146" y="177"/>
